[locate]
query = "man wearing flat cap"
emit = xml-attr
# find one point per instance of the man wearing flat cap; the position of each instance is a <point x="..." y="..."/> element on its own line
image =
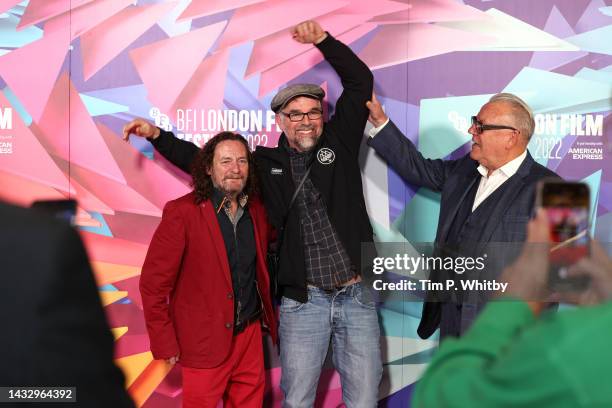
<point x="312" y="191"/>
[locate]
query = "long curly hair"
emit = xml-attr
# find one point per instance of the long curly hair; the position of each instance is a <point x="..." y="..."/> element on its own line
<point x="202" y="182"/>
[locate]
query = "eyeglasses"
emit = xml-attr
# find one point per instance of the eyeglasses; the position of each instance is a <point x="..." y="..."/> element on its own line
<point x="299" y="116"/>
<point x="480" y="127"/>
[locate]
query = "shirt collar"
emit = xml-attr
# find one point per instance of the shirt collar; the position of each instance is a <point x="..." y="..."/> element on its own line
<point x="218" y="199"/>
<point x="508" y="169"/>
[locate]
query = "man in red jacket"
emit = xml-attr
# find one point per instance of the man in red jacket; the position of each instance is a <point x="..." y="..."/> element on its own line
<point x="204" y="283"/>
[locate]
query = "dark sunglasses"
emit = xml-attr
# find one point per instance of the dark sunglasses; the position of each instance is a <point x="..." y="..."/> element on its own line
<point x="480" y="127"/>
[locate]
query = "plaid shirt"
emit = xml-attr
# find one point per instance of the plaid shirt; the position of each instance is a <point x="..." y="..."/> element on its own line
<point x="327" y="263"/>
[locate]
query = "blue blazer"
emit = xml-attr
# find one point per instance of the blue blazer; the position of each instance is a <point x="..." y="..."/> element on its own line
<point x="454" y="179"/>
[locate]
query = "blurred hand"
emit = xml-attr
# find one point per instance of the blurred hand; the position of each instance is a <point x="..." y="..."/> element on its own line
<point x="598" y="266"/>
<point x="140" y="127"/>
<point x="527" y="277"/>
<point x="377" y="116"/>
<point x="308" y="32"/>
<point x="172" y="360"/>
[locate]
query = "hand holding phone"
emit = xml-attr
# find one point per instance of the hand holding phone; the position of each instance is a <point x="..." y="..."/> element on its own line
<point x="567" y="207"/>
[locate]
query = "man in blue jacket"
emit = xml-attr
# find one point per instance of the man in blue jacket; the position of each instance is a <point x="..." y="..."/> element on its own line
<point x="487" y="195"/>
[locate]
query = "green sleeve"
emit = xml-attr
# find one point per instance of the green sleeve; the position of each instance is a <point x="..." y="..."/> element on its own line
<point x="496" y="365"/>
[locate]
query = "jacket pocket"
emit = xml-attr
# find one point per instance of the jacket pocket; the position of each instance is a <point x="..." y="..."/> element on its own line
<point x="192" y="326"/>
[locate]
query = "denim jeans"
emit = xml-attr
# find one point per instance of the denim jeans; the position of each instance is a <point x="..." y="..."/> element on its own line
<point x="348" y="317"/>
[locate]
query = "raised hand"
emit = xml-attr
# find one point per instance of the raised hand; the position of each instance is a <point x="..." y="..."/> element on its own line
<point x="308" y="32"/>
<point x="598" y="267"/>
<point x="140" y="127"/>
<point x="377" y="116"/>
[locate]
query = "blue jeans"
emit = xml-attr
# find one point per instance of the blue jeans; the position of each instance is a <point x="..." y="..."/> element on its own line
<point x="348" y="317"/>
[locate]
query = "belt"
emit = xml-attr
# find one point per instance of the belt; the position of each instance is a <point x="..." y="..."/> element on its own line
<point x="239" y="328"/>
<point x="353" y="281"/>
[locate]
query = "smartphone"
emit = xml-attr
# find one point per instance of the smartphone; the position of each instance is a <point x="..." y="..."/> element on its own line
<point x="64" y="210"/>
<point x="567" y="206"/>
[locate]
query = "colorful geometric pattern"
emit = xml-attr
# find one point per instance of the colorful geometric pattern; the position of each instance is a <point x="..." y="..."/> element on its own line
<point x="73" y="72"/>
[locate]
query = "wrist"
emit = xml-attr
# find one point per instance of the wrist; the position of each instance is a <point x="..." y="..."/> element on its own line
<point x="321" y="38"/>
<point x="381" y="121"/>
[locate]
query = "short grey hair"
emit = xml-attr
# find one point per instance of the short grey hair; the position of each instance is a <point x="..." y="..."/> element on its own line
<point x="521" y="112"/>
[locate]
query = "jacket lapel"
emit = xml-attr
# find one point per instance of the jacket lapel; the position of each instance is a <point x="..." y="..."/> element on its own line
<point x="210" y="218"/>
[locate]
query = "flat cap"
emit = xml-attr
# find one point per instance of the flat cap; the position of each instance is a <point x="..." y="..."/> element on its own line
<point x="287" y="94"/>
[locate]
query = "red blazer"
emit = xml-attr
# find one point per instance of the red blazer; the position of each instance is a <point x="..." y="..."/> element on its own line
<point x="186" y="285"/>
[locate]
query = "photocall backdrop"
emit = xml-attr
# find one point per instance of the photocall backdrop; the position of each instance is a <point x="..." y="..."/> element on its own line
<point x="73" y="72"/>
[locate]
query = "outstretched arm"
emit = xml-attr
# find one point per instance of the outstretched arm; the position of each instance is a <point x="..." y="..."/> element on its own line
<point x="177" y="151"/>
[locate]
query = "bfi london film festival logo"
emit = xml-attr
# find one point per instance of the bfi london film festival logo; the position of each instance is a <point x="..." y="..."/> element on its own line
<point x="575" y="136"/>
<point x="6" y="123"/>
<point x="199" y="125"/>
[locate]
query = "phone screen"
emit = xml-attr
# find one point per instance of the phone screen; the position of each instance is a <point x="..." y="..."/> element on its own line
<point x="567" y="208"/>
<point x="64" y="210"/>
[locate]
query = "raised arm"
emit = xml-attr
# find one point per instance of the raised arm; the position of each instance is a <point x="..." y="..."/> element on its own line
<point x="177" y="151"/>
<point x="351" y="113"/>
<point x="402" y="155"/>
